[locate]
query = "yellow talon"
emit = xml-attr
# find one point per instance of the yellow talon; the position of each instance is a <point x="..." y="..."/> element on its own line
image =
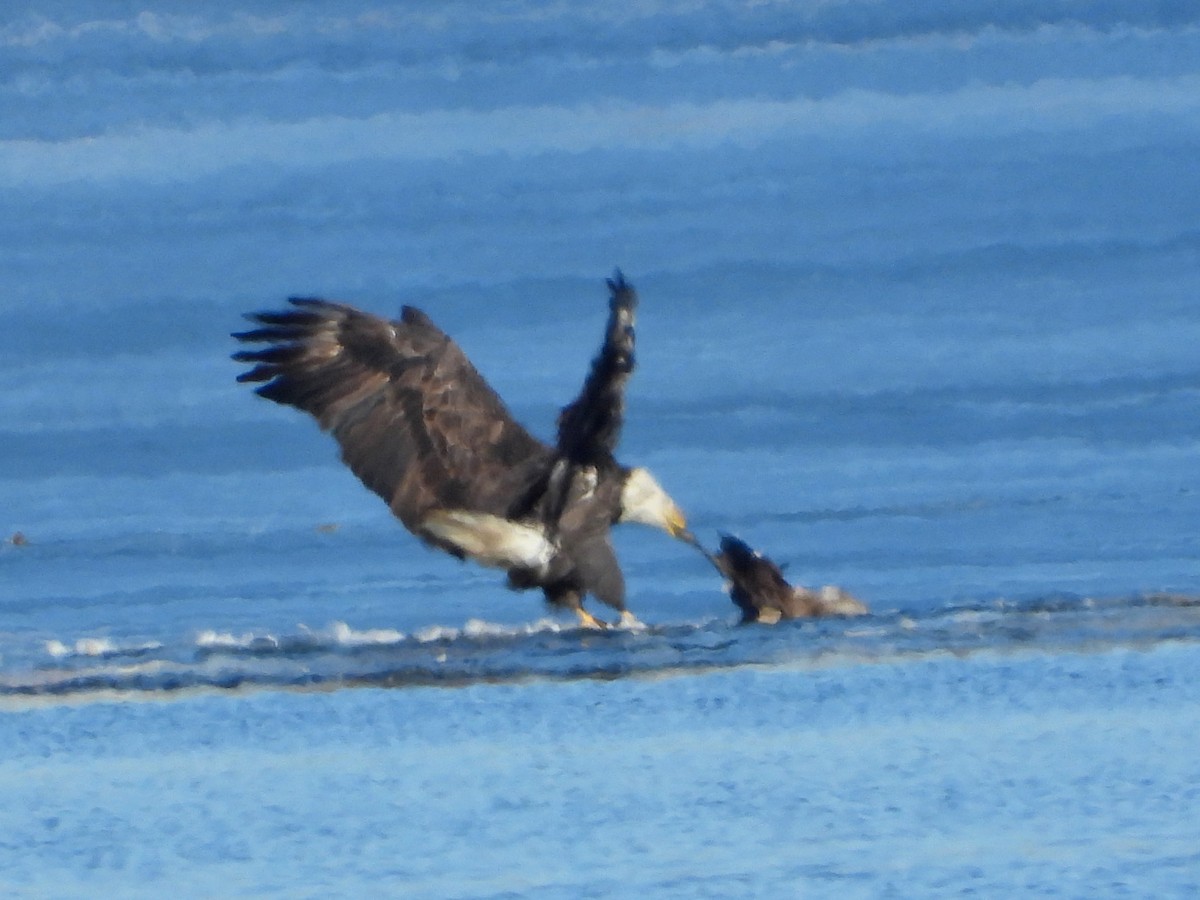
<point x="630" y="622"/>
<point x="587" y="620"/>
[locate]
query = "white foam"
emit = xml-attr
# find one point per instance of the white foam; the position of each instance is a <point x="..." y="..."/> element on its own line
<point x="343" y="634"/>
<point x="224" y="640"/>
<point x="631" y="623"/>
<point x="95" y="646"/>
<point x="431" y="633"/>
<point x="540" y="625"/>
<point x="478" y="628"/>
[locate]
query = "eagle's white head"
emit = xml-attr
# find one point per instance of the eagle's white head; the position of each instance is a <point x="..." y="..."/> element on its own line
<point x="643" y="500"/>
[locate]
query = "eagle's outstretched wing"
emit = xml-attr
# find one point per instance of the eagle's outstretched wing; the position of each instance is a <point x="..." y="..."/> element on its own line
<point x="590" y="426"/>
<point x="416" y="422"/>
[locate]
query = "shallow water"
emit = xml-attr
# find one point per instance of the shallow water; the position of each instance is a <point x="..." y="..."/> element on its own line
<point x="917" y="318"/>
<point x="479" y="652"/>
<point x="1059" y="772"/>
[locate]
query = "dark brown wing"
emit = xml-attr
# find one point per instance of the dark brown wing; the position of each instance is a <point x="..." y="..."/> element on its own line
<point x="416" y="422"/>
<point x="590" y="427"/>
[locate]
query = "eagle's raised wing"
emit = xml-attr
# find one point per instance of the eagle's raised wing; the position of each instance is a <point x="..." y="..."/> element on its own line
<point x="590" y="426"/>
<point x="416" y="422"/>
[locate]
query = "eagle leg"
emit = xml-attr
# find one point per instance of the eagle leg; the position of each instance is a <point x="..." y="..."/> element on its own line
<point x="572" y="599"/>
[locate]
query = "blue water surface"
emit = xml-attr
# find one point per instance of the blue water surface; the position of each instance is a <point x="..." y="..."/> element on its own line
<point x="918" y="318"/>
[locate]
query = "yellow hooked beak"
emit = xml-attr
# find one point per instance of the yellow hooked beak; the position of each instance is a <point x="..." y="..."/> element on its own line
<point x="676" y="522"/>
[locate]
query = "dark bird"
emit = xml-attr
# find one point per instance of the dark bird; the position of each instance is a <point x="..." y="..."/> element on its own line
<point x="422" y="429"/>
<point x="758" y="588"/>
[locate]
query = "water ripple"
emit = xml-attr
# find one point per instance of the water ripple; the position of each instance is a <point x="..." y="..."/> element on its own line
<point x="479" y="652"/>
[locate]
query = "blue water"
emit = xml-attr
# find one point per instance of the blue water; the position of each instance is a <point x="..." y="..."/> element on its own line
<point x="918" y="318"/>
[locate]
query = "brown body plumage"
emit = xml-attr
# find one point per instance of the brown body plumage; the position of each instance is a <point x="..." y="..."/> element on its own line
<point x="758" y="588"/>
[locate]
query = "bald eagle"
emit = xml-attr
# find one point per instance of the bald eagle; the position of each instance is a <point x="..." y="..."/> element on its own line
<point x="422" y="429"/>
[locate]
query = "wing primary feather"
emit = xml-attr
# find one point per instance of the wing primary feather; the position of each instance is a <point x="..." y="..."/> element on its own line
<point x="590" y="426"/>
<point x="280" y="333"/>
<point x="410" y="315"/>
<point x="258" y="373"/>
<point x="276" y="354"/>
<point x="415" y="421"/>
<point x="295" y="317"/>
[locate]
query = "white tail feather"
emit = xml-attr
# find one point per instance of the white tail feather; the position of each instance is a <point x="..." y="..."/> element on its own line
<point x="491" y="540"/>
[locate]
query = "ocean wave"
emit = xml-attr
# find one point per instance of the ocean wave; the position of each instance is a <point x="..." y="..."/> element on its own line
<point x="351" y="37"/>
<point x="164" y="154"/>
<point x="99" y="648"/>
<point x="480" y="652"/>
<point x="339" y="637"/>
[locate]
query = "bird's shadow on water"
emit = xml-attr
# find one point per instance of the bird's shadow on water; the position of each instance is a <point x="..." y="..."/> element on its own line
<point x="482" y="653"/>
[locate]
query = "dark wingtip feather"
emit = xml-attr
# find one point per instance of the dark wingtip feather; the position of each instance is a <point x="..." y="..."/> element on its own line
<point x="277" y="354"/>
<point x="277" y="390"/>
<point x="622" y="291"/>
<point x="253" y="334"/>
<point x="410" y="315"/>
<point x="290" y="317"/>
<point x="264" y="372"/>
<point x="274" y="334"/>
